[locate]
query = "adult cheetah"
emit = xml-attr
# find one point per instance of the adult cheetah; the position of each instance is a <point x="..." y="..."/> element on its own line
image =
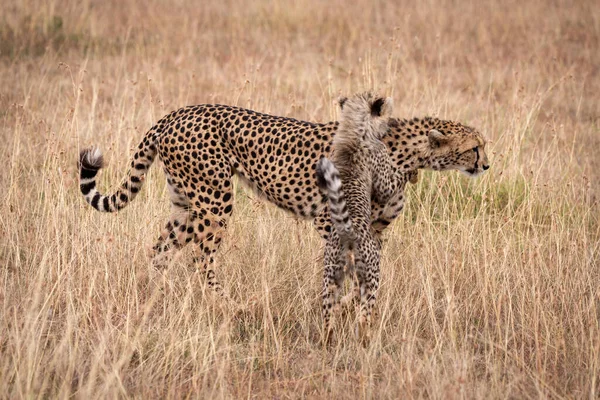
<point x="201" y="147"/>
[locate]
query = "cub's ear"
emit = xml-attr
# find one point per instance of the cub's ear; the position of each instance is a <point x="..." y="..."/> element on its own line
<point x="382" y="107"/>
<point x="436" y="138"/>
<point x="341" y="101"/>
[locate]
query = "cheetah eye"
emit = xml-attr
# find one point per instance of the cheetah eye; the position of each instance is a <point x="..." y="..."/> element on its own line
<point x="475" y="149"/>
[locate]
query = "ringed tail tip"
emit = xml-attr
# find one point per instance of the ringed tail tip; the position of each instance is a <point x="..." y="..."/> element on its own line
<point x="91" y="159"/>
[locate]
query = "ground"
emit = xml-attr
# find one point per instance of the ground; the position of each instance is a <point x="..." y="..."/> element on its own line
<point x="490" y="287"/>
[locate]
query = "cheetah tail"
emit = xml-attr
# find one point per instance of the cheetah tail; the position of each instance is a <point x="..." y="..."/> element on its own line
<point x="328" y="179"/>
<point x="91" y="161"/>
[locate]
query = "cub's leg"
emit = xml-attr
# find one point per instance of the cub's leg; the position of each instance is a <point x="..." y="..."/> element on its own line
<point x="322" y="224"/>
<point x="333" y="278"/>
<point x="368" y="257"/>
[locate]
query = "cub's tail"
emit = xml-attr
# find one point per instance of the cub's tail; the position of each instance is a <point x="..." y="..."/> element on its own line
<point x="328" y="179"/>
<point x="91" y="161"/>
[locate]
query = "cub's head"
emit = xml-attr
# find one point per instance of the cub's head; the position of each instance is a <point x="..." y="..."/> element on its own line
<point x="456" y="146"/>
<point x="365" y="114"/>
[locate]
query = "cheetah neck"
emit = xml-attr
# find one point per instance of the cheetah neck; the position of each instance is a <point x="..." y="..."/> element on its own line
<point x="409" y="143"/>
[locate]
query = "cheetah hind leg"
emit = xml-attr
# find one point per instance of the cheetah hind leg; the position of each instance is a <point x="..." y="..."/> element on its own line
<point x="207" y="237"/>
<point x="176" y="234"/>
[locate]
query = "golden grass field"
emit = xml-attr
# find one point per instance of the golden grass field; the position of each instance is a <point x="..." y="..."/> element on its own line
<point x="490" y="287"/>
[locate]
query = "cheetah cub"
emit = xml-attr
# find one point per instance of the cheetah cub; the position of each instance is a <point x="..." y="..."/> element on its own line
<point x="361" y="170"/>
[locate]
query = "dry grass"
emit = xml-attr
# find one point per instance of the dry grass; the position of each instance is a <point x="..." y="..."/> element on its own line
<point x="491" y="287"/>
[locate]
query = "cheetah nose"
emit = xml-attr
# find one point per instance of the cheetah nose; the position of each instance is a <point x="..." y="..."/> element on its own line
<point x="486" y="167"/>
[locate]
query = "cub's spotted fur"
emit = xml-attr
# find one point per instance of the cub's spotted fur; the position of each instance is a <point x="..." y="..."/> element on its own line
<point x="362" y="172"/>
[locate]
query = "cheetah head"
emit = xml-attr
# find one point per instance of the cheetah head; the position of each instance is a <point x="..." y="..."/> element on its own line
<point x="456" y="146"/>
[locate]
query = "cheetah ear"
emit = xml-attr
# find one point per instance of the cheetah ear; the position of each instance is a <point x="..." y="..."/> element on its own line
<point x="436" y="138"/>
<point x="382" y="107"/>
<point x="341" y="101"/>
<point x="414" y="177"/>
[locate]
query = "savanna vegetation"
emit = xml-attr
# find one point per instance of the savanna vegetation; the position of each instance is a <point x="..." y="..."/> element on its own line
<point x="490" y="287"/>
